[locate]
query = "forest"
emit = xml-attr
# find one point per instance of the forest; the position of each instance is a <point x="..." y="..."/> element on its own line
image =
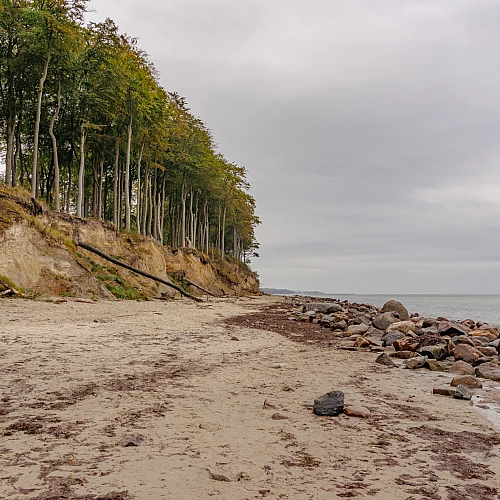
<point x="87" y="128"/>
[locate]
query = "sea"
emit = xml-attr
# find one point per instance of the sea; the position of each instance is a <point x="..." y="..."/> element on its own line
<point x="456" y="307"/>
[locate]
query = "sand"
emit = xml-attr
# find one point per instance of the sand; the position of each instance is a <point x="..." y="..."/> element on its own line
<point x="219" y="410"/>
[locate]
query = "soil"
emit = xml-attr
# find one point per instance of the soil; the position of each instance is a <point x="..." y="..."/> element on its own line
<point x="218" y="397"/>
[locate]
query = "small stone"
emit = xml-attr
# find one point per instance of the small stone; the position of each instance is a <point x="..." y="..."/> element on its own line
<point x="435" y="366"/>
<point x="131" y="440"/>
<point x="330" y="404"/>
<point x="467" y="380"/>
<point x="279" y="366"/>
<point x="357" y="411"/>
<point x="444" y="391"/>
<point x="463" y="392"/>
<point x="356" y="330"/>
<point x="362" y="342"/>
<point x="462" y="368"/>
<point x="402" y="326"/>
<point x="385" y="360"/>
<point x="437" y="352"/>
<point x="415" y="363"/>
<point x="403" y="354"/>
<point x="236" y="339"/>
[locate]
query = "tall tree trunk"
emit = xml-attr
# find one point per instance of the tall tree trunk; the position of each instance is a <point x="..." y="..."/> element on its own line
<point x="34" y="172"/>
<point x="127" y="176"/>
<point x="70" y="186"/>
<point x="54" y="145"/>
<point x="223" y="234"/>
<point x="115" y="182"/>
<point x="18" y="155"/>
<point x="101" y="180"/>
<point x="183" y="210"/>
<point x="81" y="173"/>
<point x="139" y="191"/>
<point x="9" y="154"/>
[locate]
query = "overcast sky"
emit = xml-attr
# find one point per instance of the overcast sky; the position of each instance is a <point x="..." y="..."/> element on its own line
<point x="370" y="130"/>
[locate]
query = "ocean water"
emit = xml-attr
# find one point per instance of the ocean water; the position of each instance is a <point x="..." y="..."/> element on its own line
<point x="459" y="307"/>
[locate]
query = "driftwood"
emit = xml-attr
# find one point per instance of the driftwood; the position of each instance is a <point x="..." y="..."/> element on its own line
<point x="189" y="282"/>
<point x="8" y="290"/>
<point x="138" y="271"/>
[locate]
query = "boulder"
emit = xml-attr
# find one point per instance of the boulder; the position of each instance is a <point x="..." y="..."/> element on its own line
<point x="462" y="339"/>
<point x="324" y="307"/>
<point x="452" y="329"/>
<point x="339" y="325"/>
<point x="462" y="368"/>
<point x="430" y="339"/>
<point x="415" y="363"/>
<point x="330" y="404"/>
<point x="467" y="380"/>
<point x="395" y="306"/>
<point x="389" y="338"/>
<point x="362" y="342"/>
<point x="384" y="320"/>
<point x="385" y="360"/>
<point x="402" y="326"/>
<point x="375" y="332"/>
<point x="405" y="344"/>
<point x="356" y="330"/>
<point x="491" y="371"/>
<point x="403" y="354"/>
<point x="437" y="352"/>
<point x="430" y="323"/>
<point x="444" y="391"/>
<point x="464" y="352"/>
<point x="487" y="351"/>
<point x="435" y="366"/>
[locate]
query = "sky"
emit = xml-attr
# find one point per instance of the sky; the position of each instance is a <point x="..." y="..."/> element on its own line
<point x="370" y="130"/>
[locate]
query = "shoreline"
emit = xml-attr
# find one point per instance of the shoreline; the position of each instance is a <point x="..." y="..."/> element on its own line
<point x="214" y="397"/>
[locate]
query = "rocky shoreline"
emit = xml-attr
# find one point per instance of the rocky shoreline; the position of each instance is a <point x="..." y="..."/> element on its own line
<point x="467" y="349"/>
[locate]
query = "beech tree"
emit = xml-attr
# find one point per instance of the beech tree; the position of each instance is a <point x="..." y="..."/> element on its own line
<point x="82" y="104"/>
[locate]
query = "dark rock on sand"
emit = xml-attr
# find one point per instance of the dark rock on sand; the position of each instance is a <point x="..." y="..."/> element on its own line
<point x="395" y="306"/>
<point x="463" y="392"/>
<point x="415" y="363"/>
<point x="390" y="337"/>
<point x="437" y="352"/>
<point x="435" y="366"/>
<point x="444" y="391"/>
<point x="330" y="404"/>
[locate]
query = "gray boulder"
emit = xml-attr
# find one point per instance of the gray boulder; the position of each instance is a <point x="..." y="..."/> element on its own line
<point x="394" y="305"/>
<point x="491" y="371"/>
<point x="324" y="307"/>
<point x="384" y="320"/>
<point x="390" y="337"/>
<point x="437" y="352"/>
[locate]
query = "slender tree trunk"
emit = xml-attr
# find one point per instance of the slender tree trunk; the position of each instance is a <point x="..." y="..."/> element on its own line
<point x="223" y="234"/>
<point x="18" y="154"/>
<point x="183" y="210"/>
<point x="34" y="173"/>
<point x="115" y="182"/>
<point x="70" y="186"/>
<point x="139" y="192"/>
<point x="81" y="173"/>
<point x="101" y="180"/>
<point x="127" y="176"/>
<point x="54" y="145"/>
<point x="150" y="208"/>
<point x="9" y="154"/>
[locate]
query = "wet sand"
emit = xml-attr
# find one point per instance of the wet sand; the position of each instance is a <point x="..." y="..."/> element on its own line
<point x="221" y="410"/>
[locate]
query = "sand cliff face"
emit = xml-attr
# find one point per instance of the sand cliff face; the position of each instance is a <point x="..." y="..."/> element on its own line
<point x="37" y="254"/>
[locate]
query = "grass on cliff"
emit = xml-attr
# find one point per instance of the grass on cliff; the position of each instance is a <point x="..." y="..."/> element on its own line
<point x="115" y="283"/>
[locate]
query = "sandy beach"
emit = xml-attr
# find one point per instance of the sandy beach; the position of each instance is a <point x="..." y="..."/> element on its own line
<point x="219" y="410"/>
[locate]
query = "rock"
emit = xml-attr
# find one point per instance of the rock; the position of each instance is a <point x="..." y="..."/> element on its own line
<point x="377" y="348"/>
<point x="452" y="329"/>
<point x="429" y="331"/>
<point x="467" y="380"/>
<point x="430" y="323"/>
<point x="484" y="359"/>
<point x="428" y="339"/>
<point x="362" y="342"/>
<point x="383" y="359"/>
<point x="491" y="371"/>
<point x="395" y="306"/>
<point x="464" y="352"/>
<point x="131" y="440"/>
<point x="463" y="392"/>
<point x="375" y="332"/>
<point x="437" y="352"/>
<point x="469" y="323"/>
<point x="324" y="307"/>
<point x="389" y="338"/>
<point x="330" y="404"/>
<point x="462" y="368"/>
<point x="339" y="325"/>
<point x="435" y="366"/>
<point x="462" y="339"/>
<point x="405" y="344"/>
<point x="415" y="363"/>
<point x="403" y="354"/>
<point x="357" y="411"/>
<point x="487" y="351"/>
<point x="384" y="320"/>
<point x="279" y="366"/>
<point x="356" y="330"/>
<point x="402" y="326"/>
<point x="444" y="391"/>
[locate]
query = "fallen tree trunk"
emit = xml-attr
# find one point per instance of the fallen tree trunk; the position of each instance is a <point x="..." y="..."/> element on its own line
<point x="189" y="282"/>
<point x="9" y="290"/>
<point x="138" y="271"/>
